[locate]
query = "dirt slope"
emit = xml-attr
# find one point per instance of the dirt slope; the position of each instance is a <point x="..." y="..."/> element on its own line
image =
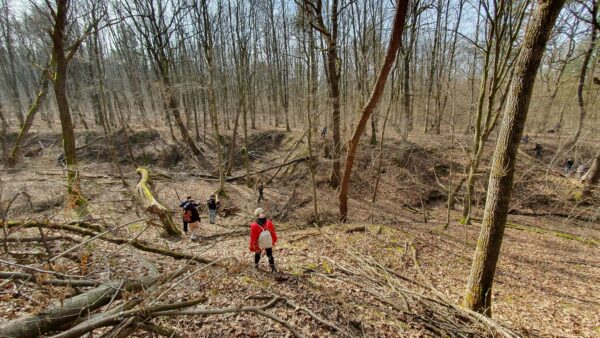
<point x="547" y="279"/>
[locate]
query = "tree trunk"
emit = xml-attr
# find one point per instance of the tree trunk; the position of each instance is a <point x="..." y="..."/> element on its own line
<point x="583" y="73"/>
<point x="33" y="109"/>
<point x="66" y="311"/>
<point x="152" y="205"/>
<point x="3" y="128"/>
<point x="592" y="176"/>
<point x="390" y="57"/>
<point x="479" y="287"/>
<point x="12" y="72"/>
<point x="59" y="79"/>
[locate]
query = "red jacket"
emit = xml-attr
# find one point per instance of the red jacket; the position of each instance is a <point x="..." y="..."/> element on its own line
<point x="255" y="231"/>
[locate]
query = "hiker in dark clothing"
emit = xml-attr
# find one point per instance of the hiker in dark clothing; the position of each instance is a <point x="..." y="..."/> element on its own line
<point x="193" y="218"/>
<point x="538" y="150"/>
<point x="182" y="206"/>
<point x="324" y="132"/>
<point x="213" y="207"/>
<point x="61" y="160"/>
<point x="260" y="189"/>
<point x="568" y="166"/>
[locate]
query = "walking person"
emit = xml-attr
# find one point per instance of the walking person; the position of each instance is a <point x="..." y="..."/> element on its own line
<point x="260" y="189"/>
<point x="213" y="207"/>
<point x="538" y="151"/>
<point x="324" y="132"/>
<point x="186" y="215"/>
<point x="194" y="218"/>
<point x="263" y="237"/>
<point x="568" y="166"/>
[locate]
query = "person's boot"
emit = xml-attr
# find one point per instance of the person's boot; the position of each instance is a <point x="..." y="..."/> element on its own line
<point x="272" y="264"/>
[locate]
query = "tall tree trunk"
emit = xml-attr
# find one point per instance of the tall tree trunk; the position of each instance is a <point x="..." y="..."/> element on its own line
<point x="59" y="79"/>
<point x="583" y="73"/>
<point x="479" y="287"/>
<point x="33" y="109"/>
<point x="12" y="72"/>
<point x="333" y="65"/>
<point x="3" y="128"/>
<point x="390" y="57"/>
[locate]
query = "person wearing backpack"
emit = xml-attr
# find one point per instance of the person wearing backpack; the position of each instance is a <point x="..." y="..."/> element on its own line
<point x="263" y="237"/>
<point x="186" y="214"/>
<point x="213" y="207"/>
<point x="193" y="217"/>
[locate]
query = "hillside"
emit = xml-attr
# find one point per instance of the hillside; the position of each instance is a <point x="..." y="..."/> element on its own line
<point x="393" y="270"/>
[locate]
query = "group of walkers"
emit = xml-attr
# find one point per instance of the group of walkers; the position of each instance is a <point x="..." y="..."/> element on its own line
<point x="262" y="232"/>
<point x="191" y="216"/>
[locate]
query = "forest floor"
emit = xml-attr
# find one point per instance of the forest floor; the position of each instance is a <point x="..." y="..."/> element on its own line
<point x="373" y="277"/>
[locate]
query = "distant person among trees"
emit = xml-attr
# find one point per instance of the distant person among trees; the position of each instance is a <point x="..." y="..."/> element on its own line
<point x="525" y="139"/>
<point x="260" y="188"/>
<point x="192" y="217"/>
<point x="186" y="214"/>
<point x="263" y="237"/>
<point x="213" y="206"/>
<point x="568" y="166"/>
<point x="324" y="132"/>
<point x="538" y="150"/>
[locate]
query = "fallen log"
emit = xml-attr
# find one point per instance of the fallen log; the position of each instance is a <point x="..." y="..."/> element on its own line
<point x="121" y="241"/>
<point x="36" y="239"/>
<point x="234" y="178"/>
<point x="152" y="205"/>
<point x="26" y="277"/>
<point x="64" y="312"/>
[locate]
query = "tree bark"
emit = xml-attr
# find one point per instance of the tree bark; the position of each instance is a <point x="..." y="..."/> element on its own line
<point x="583" y="73"/>
<point x="390" y="57"/>
<point x="152" y="205"/>
<point x="59" y="79"/>
<point x="479" y="287"/>
<point x="33" y="109"/>
<point x="593" y="175"/>
<point x="58" y="314"/>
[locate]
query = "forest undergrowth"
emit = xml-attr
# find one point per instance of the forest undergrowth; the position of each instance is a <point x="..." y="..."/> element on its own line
<point x="393" y="270"/>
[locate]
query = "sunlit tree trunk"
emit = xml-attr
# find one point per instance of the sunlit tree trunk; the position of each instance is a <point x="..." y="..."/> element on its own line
<point x="583" y="73"/>
<point x="479" y="287"/>
<point x="390" y="57"/>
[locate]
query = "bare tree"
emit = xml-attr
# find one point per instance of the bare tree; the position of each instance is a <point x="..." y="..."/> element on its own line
<point x="390" y="57"/>
<point x="62" y="54"/>
<point x="11" y="75"/>
<point x="315" y="14"/>
<point x="593" y="11"/>
<point x="479" y="287"/>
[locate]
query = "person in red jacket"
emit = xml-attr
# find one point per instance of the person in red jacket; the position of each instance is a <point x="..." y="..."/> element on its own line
<point x="256" y="228"/>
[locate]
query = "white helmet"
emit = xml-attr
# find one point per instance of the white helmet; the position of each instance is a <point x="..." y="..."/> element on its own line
<point x="258" y="211"/>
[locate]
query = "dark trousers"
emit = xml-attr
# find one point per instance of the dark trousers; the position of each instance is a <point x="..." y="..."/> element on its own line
<point x="269" y="255"/>
<point x="185" y="226"/>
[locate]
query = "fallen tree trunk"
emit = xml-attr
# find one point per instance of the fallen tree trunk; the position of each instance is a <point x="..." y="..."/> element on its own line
<point x="230" y="179"/>
<point x="36" y="239"/>
<point x="63" y="312"/>
<point x="57" y="282"/>
<point x="151" y="204"/>
<point x="121" y="241"/>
